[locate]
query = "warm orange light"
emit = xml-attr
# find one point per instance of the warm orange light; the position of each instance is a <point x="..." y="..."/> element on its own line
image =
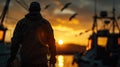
<point x="118" y="41"/>
<point x="102" y="41"/>
<point x="88" y="47"/>
<point x="60" y="61"/>
<point x="60" y="42"/>
<point x="1" y="35"/>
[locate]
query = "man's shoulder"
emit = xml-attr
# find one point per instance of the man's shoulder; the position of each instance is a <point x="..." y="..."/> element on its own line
<point x="21" y="21"/>
<point x="45" y="21"/>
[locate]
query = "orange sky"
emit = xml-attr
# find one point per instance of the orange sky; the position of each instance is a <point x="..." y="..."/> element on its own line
<point x="65" y="30"/>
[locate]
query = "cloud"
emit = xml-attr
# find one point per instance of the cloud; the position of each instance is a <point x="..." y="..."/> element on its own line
<point x="62" y="28"/>
<point x="66" y="11"/>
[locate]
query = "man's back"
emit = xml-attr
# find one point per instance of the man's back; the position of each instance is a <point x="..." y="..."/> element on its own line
<point x="34" y="33"/>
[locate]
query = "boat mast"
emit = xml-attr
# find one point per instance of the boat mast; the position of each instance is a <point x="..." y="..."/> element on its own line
<point x="95" y="17"/>
<point x="114" y="21"/>
<point x="2" y="17"/>
<point x="112" y="18"/>
<point x="4" y="12"/>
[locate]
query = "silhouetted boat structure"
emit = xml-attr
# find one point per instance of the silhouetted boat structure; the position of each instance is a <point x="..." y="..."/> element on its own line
<point x="4" y="50"/>
<point x="103" y="49"/>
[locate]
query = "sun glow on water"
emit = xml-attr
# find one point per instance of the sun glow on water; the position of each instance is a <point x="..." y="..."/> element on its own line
<point x="60" y="61"/>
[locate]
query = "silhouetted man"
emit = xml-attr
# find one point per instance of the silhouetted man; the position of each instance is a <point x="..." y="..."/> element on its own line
<point x="35" y="36"/>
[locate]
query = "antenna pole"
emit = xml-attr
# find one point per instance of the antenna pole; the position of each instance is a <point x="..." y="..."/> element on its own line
<point x="114" y="18"/>
<point x="95" y="17"/>
<point x="95" y="10"/>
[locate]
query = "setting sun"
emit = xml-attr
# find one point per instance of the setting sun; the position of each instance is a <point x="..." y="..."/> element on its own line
<point x="60" y="42"/>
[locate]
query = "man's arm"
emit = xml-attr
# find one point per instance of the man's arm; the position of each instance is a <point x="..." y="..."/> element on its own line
<point x="51" y="44"/>
<point x="15" y="42"/>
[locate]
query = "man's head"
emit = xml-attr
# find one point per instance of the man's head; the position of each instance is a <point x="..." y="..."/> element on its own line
<point x="34" y="7"/>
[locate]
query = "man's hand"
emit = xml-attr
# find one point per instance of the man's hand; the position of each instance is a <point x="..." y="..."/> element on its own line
<point x="52" y="60"/>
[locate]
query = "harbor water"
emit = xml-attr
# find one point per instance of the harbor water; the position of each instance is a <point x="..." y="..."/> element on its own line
<point x="62" y="60"/>
<point x="65" y="61"/>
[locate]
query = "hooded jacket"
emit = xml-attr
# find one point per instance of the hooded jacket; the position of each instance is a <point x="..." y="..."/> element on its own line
<point x="36" y="36"/>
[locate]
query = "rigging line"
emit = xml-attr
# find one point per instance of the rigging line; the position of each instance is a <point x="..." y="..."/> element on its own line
<point x="117" y="25"/>
<point x="22" y="2"/>
<point x="22" y="5"/>
<point x="9" y="17"/>
<point x="86" y="31"/>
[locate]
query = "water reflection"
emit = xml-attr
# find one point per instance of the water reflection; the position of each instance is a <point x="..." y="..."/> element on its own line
<point x="60" y="59"/>
<point x="65" y="61"/>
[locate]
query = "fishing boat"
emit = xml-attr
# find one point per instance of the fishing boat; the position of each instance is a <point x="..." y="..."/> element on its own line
<point x="103" y="48"/>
